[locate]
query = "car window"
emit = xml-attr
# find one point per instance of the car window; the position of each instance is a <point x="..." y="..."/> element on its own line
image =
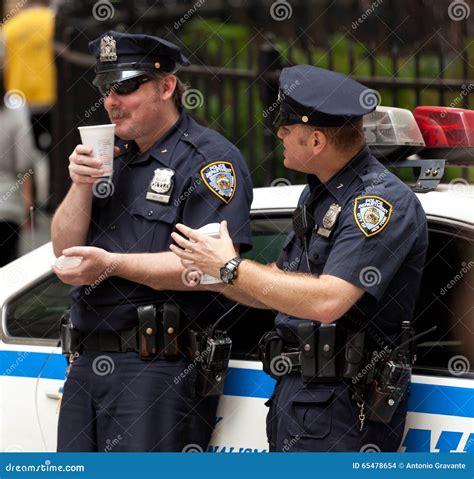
<point x="445" y="301"/>
<point x="35" y="312"/>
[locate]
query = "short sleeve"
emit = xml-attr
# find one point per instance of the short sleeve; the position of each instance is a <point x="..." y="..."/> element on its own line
<point x="222" y="190"/>
<point x="370" y="259"/>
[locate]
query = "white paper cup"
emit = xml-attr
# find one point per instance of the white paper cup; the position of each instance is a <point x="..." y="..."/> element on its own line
<point x="101" y="139"/>
<point x="212" y="230"/>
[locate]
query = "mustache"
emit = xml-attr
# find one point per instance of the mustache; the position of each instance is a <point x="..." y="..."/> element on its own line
<point x="118" y="113"/>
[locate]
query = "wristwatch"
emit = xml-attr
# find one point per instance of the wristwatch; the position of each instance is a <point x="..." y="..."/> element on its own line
<point x="229" y="270"/>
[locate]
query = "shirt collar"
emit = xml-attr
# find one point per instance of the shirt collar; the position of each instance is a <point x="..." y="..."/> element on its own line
<point x="340" y="183"/>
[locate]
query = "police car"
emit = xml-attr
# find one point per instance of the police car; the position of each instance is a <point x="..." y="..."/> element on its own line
<point x="441" y="405"/>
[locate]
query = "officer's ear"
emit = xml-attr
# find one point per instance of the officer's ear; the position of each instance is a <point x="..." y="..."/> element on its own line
<point x="318" y="141"/>
<point x="167" y="87"/>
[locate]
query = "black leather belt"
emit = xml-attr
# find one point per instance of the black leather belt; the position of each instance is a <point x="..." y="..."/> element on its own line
<point x="111" y="341"/>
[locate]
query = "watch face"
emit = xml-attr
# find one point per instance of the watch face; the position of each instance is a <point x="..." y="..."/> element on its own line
<point x="227" y="275"/>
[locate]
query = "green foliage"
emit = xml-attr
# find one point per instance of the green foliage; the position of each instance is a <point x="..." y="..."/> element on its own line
<point x="224" y="45"/>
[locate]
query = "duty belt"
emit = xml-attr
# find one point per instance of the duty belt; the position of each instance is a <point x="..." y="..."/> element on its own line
<point x="157" y="335"/>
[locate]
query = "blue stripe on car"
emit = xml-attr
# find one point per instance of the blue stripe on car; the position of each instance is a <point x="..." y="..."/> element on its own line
<point x="424" y="398"/>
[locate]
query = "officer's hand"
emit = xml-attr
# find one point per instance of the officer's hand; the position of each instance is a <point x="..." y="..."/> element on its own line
<point x="83" y="167"/>
<point x="96" y="266"/>
<point x="205" y="253"/>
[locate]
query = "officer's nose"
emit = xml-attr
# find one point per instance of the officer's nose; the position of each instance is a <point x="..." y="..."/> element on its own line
<point x="280" y="133"/>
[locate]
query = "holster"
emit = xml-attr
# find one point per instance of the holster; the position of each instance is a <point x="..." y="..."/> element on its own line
<point x="158" y="331"/>
<point x="70" y="337"/>
<point x="269" y="347"/>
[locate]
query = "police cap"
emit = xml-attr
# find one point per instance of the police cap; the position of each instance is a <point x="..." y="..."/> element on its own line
<point x="319" y="97"/>
<point x="121" y="56"/>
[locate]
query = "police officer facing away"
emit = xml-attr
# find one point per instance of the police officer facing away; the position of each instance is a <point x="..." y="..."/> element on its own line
<point x="130" y="385"/>
<point x="351" y="266"/>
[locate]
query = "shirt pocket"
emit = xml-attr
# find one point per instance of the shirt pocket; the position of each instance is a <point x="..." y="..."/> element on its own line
<point x="311" y="413"/>
<point x="151" y="227"/>
<point x="318" y="253"/>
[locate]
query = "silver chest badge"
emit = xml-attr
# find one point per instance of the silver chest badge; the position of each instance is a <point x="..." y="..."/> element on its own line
<point x="329" y="220"/>
<point x="161" y="185"/>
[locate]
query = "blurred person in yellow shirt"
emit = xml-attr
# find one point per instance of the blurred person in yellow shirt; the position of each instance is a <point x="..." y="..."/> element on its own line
<point x="29" y="64"/>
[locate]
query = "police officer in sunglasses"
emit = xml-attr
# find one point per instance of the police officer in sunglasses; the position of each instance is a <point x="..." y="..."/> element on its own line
<point x="131" y="384"/>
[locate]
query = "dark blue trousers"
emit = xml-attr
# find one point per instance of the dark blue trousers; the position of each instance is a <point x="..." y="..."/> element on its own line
<point x="117" y="402"/>
<point x="324" y="418"/>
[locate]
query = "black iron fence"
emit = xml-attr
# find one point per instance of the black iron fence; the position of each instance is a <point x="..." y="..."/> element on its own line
<point x="233" y="89"/>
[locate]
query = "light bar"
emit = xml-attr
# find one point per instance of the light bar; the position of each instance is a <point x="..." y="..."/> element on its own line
<point x="448" y="132"/>
<point x="392" y="133"/>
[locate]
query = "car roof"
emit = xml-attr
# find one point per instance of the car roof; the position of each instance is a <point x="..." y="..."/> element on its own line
<point x="450" y="201"/>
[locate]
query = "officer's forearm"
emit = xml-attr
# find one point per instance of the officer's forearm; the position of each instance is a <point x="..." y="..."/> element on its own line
<point x="72" y="219"/>
<point x="324" y="298"/>
<point x="161" y="271"/>
<point x="237" y="295"/>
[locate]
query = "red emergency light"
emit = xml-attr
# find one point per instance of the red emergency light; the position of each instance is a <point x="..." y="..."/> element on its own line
<point x="448" y="132"/>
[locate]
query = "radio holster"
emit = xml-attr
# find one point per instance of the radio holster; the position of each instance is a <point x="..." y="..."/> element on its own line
<point x="210" y="352"/>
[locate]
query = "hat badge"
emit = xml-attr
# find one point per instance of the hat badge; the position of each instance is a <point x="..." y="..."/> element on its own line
<point x="108" y="49"/>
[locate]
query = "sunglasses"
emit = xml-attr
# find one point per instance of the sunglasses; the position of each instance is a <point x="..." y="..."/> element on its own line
<point x="125" y="87"/>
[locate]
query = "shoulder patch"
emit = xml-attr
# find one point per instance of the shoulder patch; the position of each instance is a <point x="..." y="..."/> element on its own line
<point x="219" y="177"/>
<point x="372" y="214"/>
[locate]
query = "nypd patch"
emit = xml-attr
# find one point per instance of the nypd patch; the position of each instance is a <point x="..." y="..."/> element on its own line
<point x="219" y="177"/>
<point x="372" y="214"/>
